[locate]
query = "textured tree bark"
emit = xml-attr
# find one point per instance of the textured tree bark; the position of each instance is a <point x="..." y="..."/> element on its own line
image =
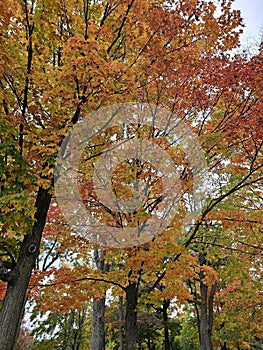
<point x="131" y="317"/>
<point x="205" y="335"/>
<point x="206" y="316"/>
<point x="98" y="325"/>
<point x="14" y="302"/>
<point x="98" y="320"/>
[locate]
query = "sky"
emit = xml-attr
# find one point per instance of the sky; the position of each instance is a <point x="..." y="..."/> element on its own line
<point x="252" y="13"/>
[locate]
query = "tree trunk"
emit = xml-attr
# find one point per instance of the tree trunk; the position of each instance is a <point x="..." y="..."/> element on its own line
<point x="98" y="320"/>
<point x="166" y="304"/>
<point x="14" y="302"/>
<point x="131" y="317"/>
<point x="121" y="319"/>
<point x="98" y="325"/>
<point x="206" y="316"/>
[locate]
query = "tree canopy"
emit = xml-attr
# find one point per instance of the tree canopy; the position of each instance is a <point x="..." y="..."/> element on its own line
<point x="64" y="61"/>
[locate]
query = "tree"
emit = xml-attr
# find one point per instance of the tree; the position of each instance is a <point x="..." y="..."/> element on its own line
<point x="55" y="329"/>
<point x="28" y="85"/>
<point x="98" y="318"/>
<point x="227" y="227"/>
<point x="188" y="338"/>
<point x="78" y="58"/>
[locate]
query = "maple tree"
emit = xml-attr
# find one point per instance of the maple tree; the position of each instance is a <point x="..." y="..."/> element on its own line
<point x="228" y="229"/>
<point x="62" y="61"/>
<point x="141" y="261"/>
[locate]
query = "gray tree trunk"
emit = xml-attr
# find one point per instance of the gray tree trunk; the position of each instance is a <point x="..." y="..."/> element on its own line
<point x="98" y="319"/>
<point x="98" y="325"/>
<point x="131" y="331"/>
<point x="206" y="316"/>
<point x="18" y="279"/>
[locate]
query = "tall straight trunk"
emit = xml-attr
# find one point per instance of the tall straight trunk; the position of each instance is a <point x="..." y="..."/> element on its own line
<point x="206" y="316"/>
<point x="121" y="319"/>
<point x="131" y="331"/>
<point x="98" y="325"/>
<point x="18" y="280"/>
<point x="166" y="304"/>
<point x="98" y="314"/>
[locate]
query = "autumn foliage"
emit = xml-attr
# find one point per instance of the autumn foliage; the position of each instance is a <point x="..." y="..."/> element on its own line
<point x="60" y="62"/>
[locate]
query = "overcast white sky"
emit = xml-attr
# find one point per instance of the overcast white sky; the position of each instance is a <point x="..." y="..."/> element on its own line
<point x="252" y="12"/>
